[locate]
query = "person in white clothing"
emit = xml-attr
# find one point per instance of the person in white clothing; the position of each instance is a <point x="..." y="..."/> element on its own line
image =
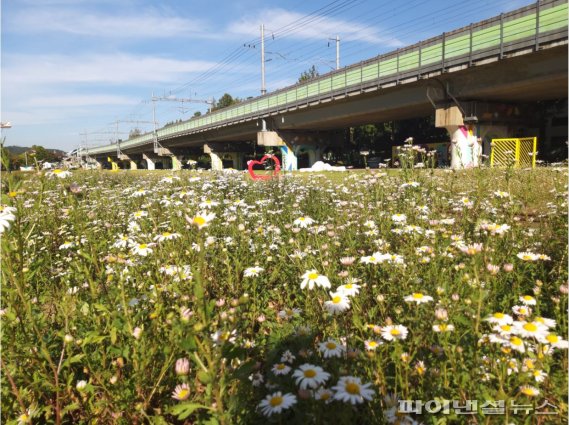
<point x="461" y="148"/>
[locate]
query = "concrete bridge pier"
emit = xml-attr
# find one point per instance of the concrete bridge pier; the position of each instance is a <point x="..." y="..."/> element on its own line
<point x="150" y="162"/>
<point x="300" y="149"/>
<point x="232" y="151"/>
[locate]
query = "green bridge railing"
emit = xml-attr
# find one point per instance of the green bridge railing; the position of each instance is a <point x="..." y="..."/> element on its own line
<point x="528" y="27"/>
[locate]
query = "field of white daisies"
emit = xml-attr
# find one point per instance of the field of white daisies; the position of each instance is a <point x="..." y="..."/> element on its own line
<point x="366" y="297"/>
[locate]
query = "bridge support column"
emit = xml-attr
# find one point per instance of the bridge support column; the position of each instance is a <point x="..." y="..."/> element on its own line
<point x="176" y="162"/>
<point x="133" y="165"/>
<point x="298" y="148"/>
<point x="290" y="161"/>
<point x="150" y="162"/>
<point x="233" y="151"/>
<point x="216" y="162"/>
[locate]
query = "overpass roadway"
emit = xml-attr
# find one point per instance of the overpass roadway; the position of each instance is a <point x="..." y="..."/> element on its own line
<point x="520" y="56"/>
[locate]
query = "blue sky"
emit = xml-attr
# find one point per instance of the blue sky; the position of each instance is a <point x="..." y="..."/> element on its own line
<point x="72" y="68"/>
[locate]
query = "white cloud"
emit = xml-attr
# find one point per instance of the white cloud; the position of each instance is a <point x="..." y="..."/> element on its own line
<point x="108" y="69"/>
<point x="79" y="100"/>
<point x="151" y="23"/>
<point x="321" y="29"/>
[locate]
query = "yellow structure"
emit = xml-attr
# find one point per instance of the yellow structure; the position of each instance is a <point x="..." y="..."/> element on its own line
<point x="520" y="152"/>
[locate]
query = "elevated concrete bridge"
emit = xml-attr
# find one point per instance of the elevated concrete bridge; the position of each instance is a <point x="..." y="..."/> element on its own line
<point x="516" y="57"/>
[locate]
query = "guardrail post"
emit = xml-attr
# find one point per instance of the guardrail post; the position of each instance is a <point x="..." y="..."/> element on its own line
<point x="501" y="35"/>
<point x="537" y="10"/>
<point x="397" y="81"/>
<point x="470" y="46"/>
<point x="443" y="55"/>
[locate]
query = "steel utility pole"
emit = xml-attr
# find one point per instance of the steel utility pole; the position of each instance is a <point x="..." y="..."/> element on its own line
<point x="337" y="40"/>
<point x="263" y="89"/>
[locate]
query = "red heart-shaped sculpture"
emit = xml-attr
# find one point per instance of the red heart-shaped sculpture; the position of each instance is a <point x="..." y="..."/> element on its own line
<point x="252" y="163"/>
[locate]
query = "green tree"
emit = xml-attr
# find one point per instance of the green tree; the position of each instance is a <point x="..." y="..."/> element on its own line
<point x="197" y="114"/>
<point x="135" y="132"/>
<point x="308" y="75"/>
<point x="225" y="101"/>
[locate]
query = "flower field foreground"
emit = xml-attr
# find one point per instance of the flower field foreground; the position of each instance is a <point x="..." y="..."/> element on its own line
<point x="416" y="296"/>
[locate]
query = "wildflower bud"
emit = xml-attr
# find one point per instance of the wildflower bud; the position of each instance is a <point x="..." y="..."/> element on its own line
<point x="198" y="327"/>
<point x="467" y="301"/>
<point x="114" y="379"/>
<point x="68" y="339"/>
<point x="388" y="321"/>
<point x="261" y="318"/>
<point x="398" y="310"/>
<point x="347" y="261"/>
<point x="493" y="269"/>
<point x="536" y="290"/>
<point x="81" y="385"/>
<point x="304" y="394"/>
<point x="185" y="314"/>
<point x="508" y="267"/>
<point x="137" y="332"/>
<point x="555" y="300"/>
<point x="405" y="357"/>
<point x="380" y="298"/>
<point x="182" y="366"/>
<point x="343" y="274"/>
<point x="223" y="315"/>
<point x="539" y="282"/>
<point x="120" y="362"/>
<point x="459" y="349"/>
<point x="244" y="299"/>
<point x="455" y="297"/>
<point x="440" y="290"/>
<point x="331" y="233"/>
<point x="564" y="289"/>
<point x="234" y="302"/>
<point x="441" y="314"/>
<point x="241" y="227"/>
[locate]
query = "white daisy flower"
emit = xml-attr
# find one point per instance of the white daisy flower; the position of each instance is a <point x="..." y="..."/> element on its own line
<point x="331" y="348"/>
<point x="276" y="403"/>
<point x="310" y="376"/>
<point x="350" y="389"/>
<point x="312" y="277"/>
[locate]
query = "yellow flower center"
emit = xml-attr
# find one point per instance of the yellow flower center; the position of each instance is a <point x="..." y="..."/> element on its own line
<point x="309" y="373"/>
<point x="528" y="298"/>
<point x="526" y="257"/>
<point x="313" y="276"/>
<point x="183" y="393"/>
<point x="142" y="246"/>
<point x="336" y="299"/>
<point x="166" y="234"/>
<point x="529" y="391"/>
<point x="324" y="396"/>
<point x="348" y="286"/>
<point x="281" y="366"/>
<point x="352" y="388"/>
<point x="499" y="315"/>
<point x="330" y="346"/>
<point x="442" y="327"/>
<point x="199" y="220"/>
<point x="506" y="328"/>
<point x="372" y="344"/>
<point x="530" y="327"/>
<point x="395" y="332"/>
<point x="552" y="338"/>
<point x="301" y="219"/>
<point x="276" y="401"/>
<point x="417" y="295"/>
<point x="372" y="258"/>
<point x="57" y="171"/>
<point x="516" y="341"/>
<point x="12" y="194"/>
